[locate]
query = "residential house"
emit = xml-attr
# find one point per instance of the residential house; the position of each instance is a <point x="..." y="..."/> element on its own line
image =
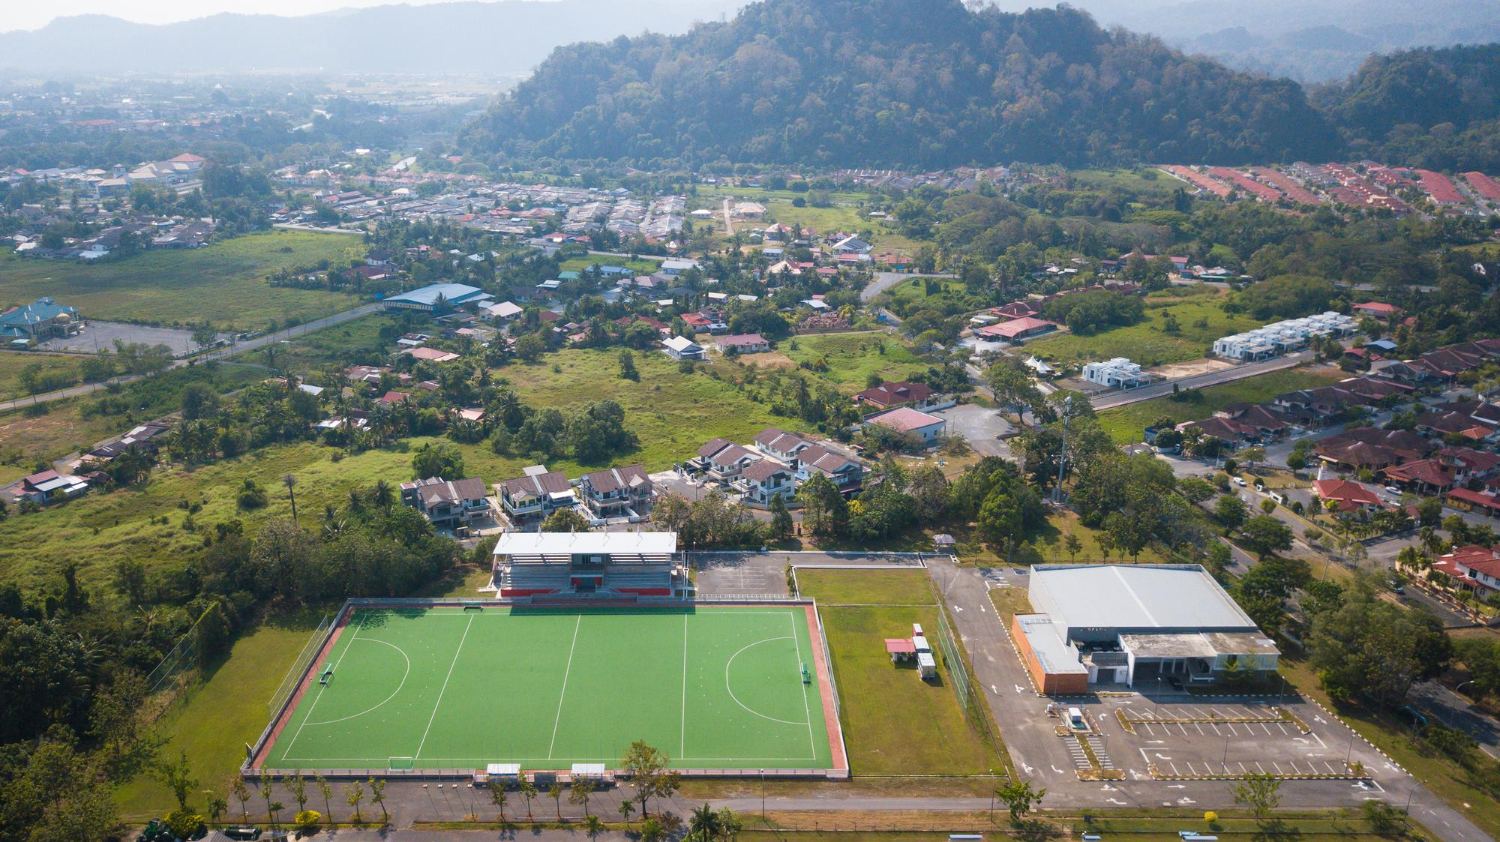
<point x="536" y="495"/>
<point x="729" y="462"/>
<point x="1377" y="310"/>
<point x="682" y="348"/>
<point x="779" y="444"/>
<point x="448" y="504"/>
<point x="431" y="355"/>
<point x="49" y="486"/>
<point x="765" y="480"/>
<point x="1017" y="329"/>
<point x="1117" y="373"/>
<point x="1348" y="497"/>
<point x="904" y="419"/>
<point x="1473" y="568"/>
<point x="903" y="393"/>
<point x="617" y="492"/>
<point x="1423" y="476"/>
<point x="743" y="343"/>
<point x="844" y="472"/>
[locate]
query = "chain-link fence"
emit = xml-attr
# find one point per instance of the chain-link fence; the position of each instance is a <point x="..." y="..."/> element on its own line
<point x="304" y="658"/>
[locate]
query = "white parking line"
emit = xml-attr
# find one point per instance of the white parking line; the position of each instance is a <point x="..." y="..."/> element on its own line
<point x="1260" y="767"/>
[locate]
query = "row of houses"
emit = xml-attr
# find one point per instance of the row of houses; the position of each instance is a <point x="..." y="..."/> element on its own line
<point x="776" y="464"/>
<point x="1283" y="337"/>
<point x="614" y="494"/>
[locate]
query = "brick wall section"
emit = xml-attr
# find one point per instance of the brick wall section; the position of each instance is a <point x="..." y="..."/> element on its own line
<point x="1059" y="685"/>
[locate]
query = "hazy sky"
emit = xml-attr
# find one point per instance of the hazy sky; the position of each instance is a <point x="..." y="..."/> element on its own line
<point x="23" y="15"/>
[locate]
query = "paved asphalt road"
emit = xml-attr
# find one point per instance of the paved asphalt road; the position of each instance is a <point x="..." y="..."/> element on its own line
<point x="222" y="353"/>
<point x="1110" y="400"/>
<point x="885" y="280"/>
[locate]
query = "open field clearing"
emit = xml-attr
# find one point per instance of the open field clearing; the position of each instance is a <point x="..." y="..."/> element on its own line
<point x="224" y="283"/>
<point x="1200" y="318"/>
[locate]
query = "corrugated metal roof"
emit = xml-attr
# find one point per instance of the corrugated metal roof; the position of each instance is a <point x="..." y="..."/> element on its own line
<point x="1138" y="596"/>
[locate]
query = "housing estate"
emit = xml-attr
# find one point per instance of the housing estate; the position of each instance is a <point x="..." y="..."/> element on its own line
<point x="1282" y="337"/>
<point x="448" y="504"/>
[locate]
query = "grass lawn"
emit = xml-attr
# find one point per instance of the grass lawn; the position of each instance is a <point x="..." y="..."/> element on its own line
<point x="894" y="722"/>
<point x="851" y="358"/>
<point x="1444" y="777"/>
<point x="224" y="283"/>
<point x="1146" y="180"/>
<point x="673" y="413"/>
<point x="341" y="345"/>
<point x="64" y="369"/>
<point x="227" y="710"/>
<point x="643" y="265"/>
<point x="866" y="587"/>
<point x="1009" y="602"/>
<point x="1127" y="424"/>
<point x="1145" y="342"/>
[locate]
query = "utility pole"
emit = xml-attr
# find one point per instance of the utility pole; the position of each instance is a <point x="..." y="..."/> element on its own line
<point x="1062" y="456"/>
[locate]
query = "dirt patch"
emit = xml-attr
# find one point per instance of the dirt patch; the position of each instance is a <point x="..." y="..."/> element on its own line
<point x="1191" y="368"/>
<point x="769" y="360"/>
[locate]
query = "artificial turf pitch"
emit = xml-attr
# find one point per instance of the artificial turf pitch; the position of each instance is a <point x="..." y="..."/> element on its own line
<point x="714" y="687"/>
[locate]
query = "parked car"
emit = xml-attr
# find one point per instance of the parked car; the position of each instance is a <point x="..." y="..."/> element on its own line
<point x="242" y="832"/>
<point x="1240" y="481"/>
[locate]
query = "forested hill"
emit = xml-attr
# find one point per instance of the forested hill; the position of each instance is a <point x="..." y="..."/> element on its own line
<point x="912" y="83"/>
<point x="1436" y="108"/>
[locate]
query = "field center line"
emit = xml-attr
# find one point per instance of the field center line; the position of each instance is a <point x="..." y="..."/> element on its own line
<point x="683" y="746"/>
<point x="439" y="703"/>
<point x="357" y="629"/>
<point x="812" y="741"/>
<point x="560" y="696"/>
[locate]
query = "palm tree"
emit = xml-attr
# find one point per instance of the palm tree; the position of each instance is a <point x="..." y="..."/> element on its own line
<point x="217" y="806"/>
<point x="626" y="808"/>
<point x="242" y="792"/>
<point x="381" y="494"/>
<point x="290" y="482"/>
<point x="704" y="825"/>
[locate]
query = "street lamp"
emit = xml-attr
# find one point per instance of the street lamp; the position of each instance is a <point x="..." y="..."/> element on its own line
<point x="1460" y="699"/>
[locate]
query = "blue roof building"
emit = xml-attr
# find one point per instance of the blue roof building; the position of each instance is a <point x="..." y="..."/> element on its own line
<point x="427" y="298"/>
<point x="39" y="320"/>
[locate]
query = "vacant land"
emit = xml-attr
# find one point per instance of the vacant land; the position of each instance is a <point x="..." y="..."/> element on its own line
<point x="894" y="722"/>
<point x="224" y="283"/>
<point x="55" y="372"/>
<point x="641" y="265"/>
<point x="1200" y="320"/>
<point x="673" y="413"/>
<point x="849" y="359"/>
<point x="355" y="342"/>
<point x="1127" y="424"/>
<point x="865" y="587"/>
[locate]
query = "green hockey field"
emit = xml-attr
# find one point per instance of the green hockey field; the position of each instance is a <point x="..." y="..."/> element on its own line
<point x="714" y="687"/>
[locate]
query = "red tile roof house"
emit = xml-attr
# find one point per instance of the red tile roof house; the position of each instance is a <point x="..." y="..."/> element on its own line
<point x="1472" y="568"/>
<point x="907" y="420"/>
<point x="392" y="398"/>
<point x="1424" y="476"/>
<point x="1016" y="310"/>
<point x="431" y="355"/>
<point x="890" y="394"/>
<point x="618" y="492"/>
<point x="744" y="343"/>
<point x="1377" y="310"/>
<point x="1485" y="502"/>
<point x="1347" y="497"/>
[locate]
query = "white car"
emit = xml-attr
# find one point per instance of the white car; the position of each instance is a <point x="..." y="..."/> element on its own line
<point x="1391" y="489"/>
<point x="1240" y="481"/>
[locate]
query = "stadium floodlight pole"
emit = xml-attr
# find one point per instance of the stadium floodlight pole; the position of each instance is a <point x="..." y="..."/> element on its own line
<point x="1062" y="456"/>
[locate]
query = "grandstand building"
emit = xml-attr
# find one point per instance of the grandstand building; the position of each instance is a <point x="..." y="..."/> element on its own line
<point x="627" y="564"/>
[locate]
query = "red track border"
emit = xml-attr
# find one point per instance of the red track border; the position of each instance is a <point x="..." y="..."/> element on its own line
<point x="838" y="759"/>
<point x="285" y="715"/>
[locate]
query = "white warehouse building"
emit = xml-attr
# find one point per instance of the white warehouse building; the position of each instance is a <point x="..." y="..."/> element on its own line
<point x="1279" y="338"/>
<point x="1118" y="373"/>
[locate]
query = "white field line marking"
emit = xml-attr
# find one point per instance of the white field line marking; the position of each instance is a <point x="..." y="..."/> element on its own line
<point x="560" y="696"/>
<point x="357" y="629"/>
<point x="748" y="709"/>
<point x="683" y="744"/>
<point x="812" y="742"/>
<point x="435" y="707"/>
<point x="387" y="698"/>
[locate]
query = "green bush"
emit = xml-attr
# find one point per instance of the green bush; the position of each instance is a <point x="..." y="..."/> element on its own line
<point x="184" y="824"/>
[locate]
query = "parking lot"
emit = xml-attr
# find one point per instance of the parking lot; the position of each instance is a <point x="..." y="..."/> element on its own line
<point x="1179" y="737"/>
<point x="102" y="335"/>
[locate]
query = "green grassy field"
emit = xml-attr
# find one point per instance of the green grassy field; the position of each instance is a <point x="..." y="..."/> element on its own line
<point x="852" y="357"/>
<point x="894" y="722"/>
<point x="1201" y="320"/>
<point x="673" y="413"/>
<point x="865" y="587"/>
<point x="334" y="346"/>
<point x="644" y="265"/>
<point x="222" y="713"/>
<point x="52" y="366"/>
<point x="224" y="283"/>
<point x="714" y="687"/>
<point x="1127" y="424"/>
